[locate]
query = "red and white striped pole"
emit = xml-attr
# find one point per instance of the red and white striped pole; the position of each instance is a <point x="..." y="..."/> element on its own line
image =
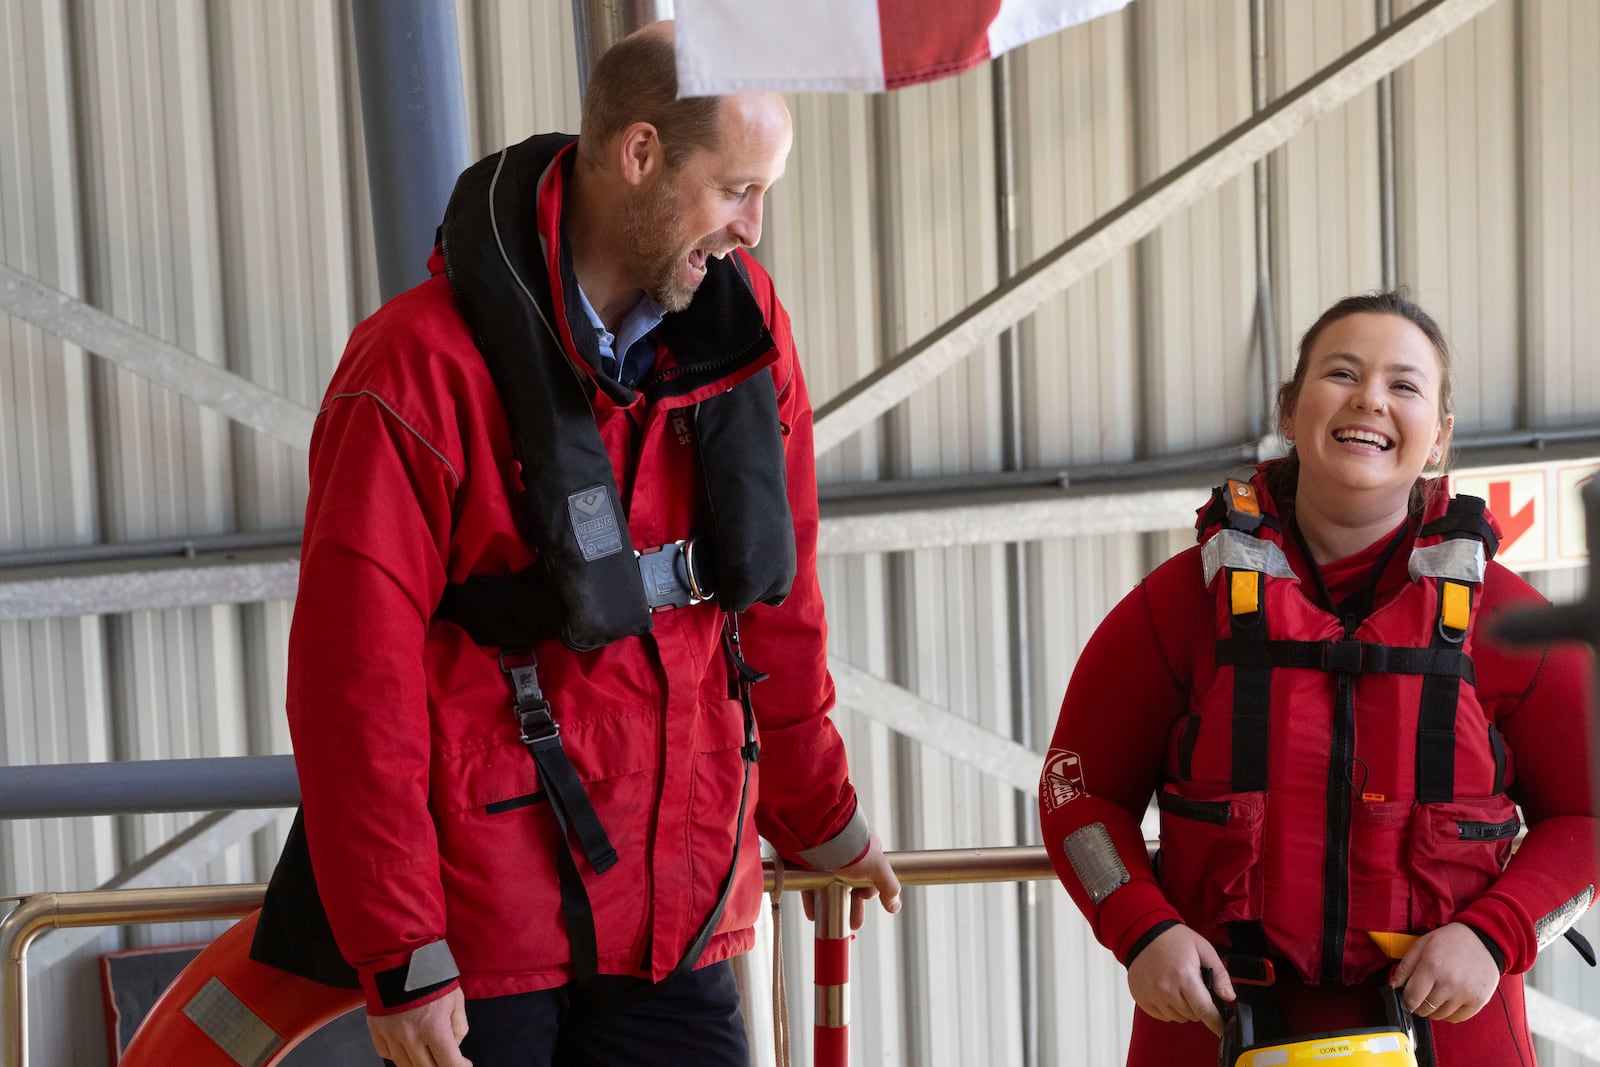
<point x="831" y="976"/>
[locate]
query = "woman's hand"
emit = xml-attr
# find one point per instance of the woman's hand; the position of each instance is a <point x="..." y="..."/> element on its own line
<point x="1447" y="974"/>
<point x="1165" y="979"/>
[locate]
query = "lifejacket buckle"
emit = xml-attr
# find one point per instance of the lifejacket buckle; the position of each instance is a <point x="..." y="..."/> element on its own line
<point x="538" y="725"/>
<point x="1344" y="657"/>
<point x="671" y="579"/>
<point x="1250" y="970"/>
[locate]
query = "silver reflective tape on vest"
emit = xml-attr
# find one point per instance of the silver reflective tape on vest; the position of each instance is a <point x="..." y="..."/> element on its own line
<point x="228" y="1021"/>
<point x="430" y="965"/>
<point x="1560" y="921"/>
<point x="1243" y="552"/>
<point x="1095" y="861"/>
<point x="1460" y="558"/>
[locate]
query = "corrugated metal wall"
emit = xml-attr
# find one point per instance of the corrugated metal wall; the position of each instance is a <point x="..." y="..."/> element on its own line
<point x="197" y="169"/>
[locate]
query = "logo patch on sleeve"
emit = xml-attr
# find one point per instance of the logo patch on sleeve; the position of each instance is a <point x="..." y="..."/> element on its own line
<point x="594" y="523"/>
<point x="1062" y="781"/>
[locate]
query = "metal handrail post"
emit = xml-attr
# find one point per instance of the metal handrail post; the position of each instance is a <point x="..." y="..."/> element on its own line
<point x="50" y="911"/>
<point x="831" y="976"/>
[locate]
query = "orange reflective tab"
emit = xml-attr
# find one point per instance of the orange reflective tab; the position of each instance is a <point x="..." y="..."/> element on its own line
<point x="1456" y="608"/>
<point x="1393" y="944"/>
<point x="1242" y="497"/>
<point x="1246" y="590"/>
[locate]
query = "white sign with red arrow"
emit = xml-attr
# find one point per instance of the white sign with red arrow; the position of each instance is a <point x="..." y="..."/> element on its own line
<point x="1539" y="509"/>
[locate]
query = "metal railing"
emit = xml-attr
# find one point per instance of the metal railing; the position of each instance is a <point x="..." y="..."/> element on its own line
<point x="38" y="913"/>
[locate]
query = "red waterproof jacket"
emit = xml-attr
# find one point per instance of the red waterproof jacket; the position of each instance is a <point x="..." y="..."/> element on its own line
<point x="1241" y="856"/>
<point x="423" y="810"/>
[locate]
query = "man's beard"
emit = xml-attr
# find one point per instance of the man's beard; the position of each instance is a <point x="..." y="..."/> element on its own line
<point x="652" y="226"/>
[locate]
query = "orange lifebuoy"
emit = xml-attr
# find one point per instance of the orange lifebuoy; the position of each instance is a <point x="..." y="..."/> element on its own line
<point x="227" y="1010"/>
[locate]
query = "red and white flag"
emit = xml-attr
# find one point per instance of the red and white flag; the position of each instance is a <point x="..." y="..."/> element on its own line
<point x="858" y="46"/>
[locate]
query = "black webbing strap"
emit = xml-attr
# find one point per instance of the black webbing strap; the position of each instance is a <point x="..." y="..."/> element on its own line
<point x="1246" y="954"/>
<point x="1436" y="719"/>
<point x="1352" y="657"/>
<point x="1252" y="693"/>
<point x="569" y="803"/>
<point x="1465" y="517"/>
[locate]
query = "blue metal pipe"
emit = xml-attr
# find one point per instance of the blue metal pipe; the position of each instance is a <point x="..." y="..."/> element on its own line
<point x="226" y="783"/>
<point x="414" y="119"/>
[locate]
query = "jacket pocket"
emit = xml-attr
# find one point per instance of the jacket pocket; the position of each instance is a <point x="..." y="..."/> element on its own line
<point x="1458" y="850"/>
<point x="713" y="829"/>
<point x="1380" y="838"/>
<point x="1211" y="856"/>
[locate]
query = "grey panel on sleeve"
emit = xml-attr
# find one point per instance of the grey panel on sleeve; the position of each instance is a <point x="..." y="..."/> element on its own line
<point x="228" y="1021"/>
<point x="1095" y="861"/>
<point x="1560" y="921"/>
<point x="846" y="845"/>
<point x="430" y="965"/>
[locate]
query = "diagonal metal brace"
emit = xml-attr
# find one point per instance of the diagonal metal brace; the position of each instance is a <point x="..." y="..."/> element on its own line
<point x="1091" y="248"/>
<point x="169" y="366"/>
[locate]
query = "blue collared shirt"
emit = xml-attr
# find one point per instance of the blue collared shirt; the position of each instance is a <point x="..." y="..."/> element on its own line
<point x="632" y="339"/>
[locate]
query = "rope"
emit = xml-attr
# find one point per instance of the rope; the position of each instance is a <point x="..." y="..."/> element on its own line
<point x="780" y="998"/>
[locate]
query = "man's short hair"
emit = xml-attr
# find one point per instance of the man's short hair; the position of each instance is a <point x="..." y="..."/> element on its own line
<point x="637" y="81"/>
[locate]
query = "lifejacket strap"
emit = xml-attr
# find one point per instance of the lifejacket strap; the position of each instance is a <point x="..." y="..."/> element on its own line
<point x="542" y="734"/>
<point x="1349" y="657"/>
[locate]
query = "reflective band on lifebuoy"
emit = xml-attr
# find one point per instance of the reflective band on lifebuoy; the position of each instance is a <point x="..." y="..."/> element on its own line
<point x="227" y="1010"/>
<point x="229" y="1022"/>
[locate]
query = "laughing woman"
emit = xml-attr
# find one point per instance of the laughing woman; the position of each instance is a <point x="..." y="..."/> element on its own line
<point x="1336" y="749"/>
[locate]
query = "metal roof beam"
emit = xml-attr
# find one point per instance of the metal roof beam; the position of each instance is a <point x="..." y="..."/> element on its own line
<point x="1017" y="506"/>
<point x="1086" y="251"/>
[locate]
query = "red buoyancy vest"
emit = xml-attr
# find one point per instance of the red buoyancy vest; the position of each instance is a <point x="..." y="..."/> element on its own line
<point x="1335" y="775"/>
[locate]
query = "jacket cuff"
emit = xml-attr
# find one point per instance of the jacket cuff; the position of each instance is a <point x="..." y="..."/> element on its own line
<point x="428" y="974"/>
<point x="1128" y="915"/>
<point x="844" y="848"/>
<point x="1495" y="951"/>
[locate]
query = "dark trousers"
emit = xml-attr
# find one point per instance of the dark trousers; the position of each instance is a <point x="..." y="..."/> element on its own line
<point x="694" y="1019"/>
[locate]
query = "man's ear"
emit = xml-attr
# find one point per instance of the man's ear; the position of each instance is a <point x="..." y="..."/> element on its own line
<point x="639" y="153"/>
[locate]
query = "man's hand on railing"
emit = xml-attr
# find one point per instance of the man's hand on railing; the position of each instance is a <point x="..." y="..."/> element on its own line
<point x="874" y="867"/>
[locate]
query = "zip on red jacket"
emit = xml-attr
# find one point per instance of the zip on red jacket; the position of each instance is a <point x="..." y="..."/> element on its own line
<point x="424" y="816"/>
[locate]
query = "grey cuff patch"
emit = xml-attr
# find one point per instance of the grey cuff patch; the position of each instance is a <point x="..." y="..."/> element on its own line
<point x="1243" y="552"/>
<point x="1095" y="861"/>
<point x="1558" y="922"/>
<point x="1460" y="558"/>
<point x="228" y="1021"/>
<point x="430" y="965"/>
<point x="846" y="845"/>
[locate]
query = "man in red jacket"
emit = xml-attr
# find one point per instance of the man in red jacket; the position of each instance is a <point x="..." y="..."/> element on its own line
<point x="562" y="517"/>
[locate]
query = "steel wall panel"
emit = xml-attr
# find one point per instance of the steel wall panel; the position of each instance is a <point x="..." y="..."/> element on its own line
<point x="1560" y="84"/>
<point x="521" y="66"/>
<point x="52" y="691"/>
<point x="939" y="251"/>
<point x="1324" y="194"/>
<point x="1197" y="271"/>
<point x="1458" y="248"/>
<point x="1074" y="163"/>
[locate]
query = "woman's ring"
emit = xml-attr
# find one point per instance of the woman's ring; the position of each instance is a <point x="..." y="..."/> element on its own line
<point x="1430" y="1005"/>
